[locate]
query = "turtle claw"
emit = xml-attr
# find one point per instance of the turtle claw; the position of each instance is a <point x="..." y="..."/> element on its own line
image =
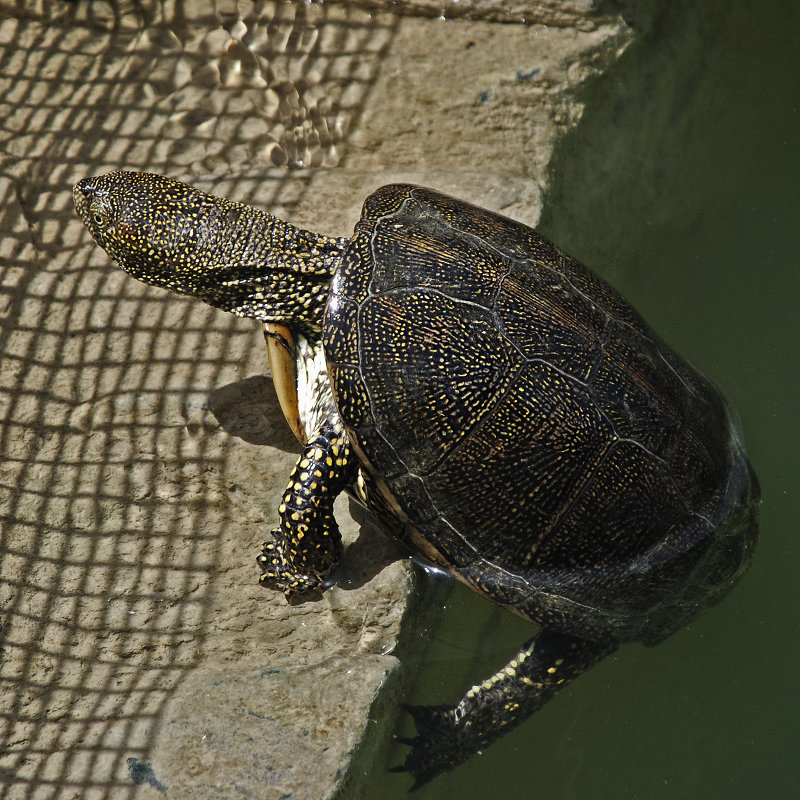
<point x="439" y="746"/>
<point x="427" y="717"/>
<point x="277" y="573"/>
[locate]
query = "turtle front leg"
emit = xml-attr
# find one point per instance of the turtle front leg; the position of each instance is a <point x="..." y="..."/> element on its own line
<point x="307" y="545"/>
<point x="449" y="735"/>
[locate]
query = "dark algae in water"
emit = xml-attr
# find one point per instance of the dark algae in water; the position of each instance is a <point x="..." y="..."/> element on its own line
<point x="505" y="412"/>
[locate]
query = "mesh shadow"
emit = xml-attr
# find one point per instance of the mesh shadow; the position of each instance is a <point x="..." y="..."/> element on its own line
<point x="111" y="529"/>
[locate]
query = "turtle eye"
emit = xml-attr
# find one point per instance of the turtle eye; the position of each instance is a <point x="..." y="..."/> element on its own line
<point x="99" y="215"/>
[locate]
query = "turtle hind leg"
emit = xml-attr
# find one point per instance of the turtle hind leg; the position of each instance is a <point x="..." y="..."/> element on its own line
<point x="449" y="735"/>
<point x="307" y="545"/>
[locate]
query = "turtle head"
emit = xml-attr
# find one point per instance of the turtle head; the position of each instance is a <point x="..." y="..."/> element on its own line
<point x="146" y="223"/>
<point x="230" y="255"/>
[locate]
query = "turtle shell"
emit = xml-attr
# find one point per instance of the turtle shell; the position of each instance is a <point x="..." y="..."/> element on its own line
<point x="526" y="428"/>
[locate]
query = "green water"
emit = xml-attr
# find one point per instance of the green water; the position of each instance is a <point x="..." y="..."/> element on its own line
<point x="681" y="187"/>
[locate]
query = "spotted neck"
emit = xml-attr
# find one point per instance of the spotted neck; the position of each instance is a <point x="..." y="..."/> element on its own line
<point x="233" y="256"/>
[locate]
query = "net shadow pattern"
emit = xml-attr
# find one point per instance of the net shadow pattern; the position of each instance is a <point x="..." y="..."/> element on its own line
<point x="109" y="553"/>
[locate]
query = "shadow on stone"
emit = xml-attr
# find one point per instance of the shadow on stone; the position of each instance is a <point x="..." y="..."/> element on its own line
<point x="369" y="554"/>
<point x="249" y="410"/>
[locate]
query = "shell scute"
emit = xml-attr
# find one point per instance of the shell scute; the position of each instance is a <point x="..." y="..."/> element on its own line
<point x="645" y="400"/>
<point x="550" y="431"/>
<point x="548" y="320"/>
<point x="341" y="346"/>
<point x="417" y="253"/>
<point x="627" y="507"/>
<point x="599" y="291"/>
<point x="435" y="369"/>
<point x="496" y="233"/>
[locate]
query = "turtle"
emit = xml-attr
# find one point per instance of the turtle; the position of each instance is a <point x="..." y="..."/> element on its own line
<point x="508" y="416"/>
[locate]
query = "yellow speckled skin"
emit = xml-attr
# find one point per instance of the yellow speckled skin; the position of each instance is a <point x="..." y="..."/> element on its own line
<point x="230" y="255"/>
<point x="513" y="418"/>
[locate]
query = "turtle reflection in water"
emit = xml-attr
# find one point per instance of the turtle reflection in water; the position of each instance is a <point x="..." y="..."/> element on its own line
<point x="508" y="414"/>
